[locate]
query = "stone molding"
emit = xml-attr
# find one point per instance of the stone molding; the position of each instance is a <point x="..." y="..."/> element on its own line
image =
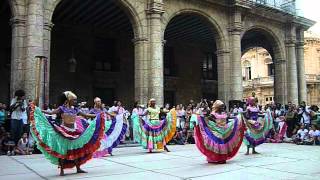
<point x="155" y="8"/>
<point x="139" y="40"/>
<point x="48" y="26"/>
<point x="17" y="22"/>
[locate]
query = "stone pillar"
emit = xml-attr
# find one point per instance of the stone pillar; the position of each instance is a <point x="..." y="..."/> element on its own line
<point x="280" y="86"/>
<point x="292" y="80"/>
<point x="302" y="85"/>
<point x="34" y="45"/>
<point x="235" y="43"/>
<point x="141" y="74"/>
<point x="47" y="27"/>
<point x="224" y="72"/>
<point x="18" y="25"/>
<point x="156" y="86"/>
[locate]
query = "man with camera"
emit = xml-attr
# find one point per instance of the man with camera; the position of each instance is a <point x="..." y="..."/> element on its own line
<point x="18" y="108"/>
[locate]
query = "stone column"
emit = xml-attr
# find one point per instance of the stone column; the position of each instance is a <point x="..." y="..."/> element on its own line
<point x="302" y="85"/>
<point x="141" y="74"/>
<point x="292" y="80"/>
<point x="224" y="75"/>
<point x="280" y="86"/>
<point x="47" y="27"/>
<point x="156" y="86"/>
<point x="34" y="45"/>
<point x="235" y="43"/>
<point x="18" y="25"/>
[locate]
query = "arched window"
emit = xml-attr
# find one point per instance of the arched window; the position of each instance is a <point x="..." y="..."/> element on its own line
<point x="246" y="70"/>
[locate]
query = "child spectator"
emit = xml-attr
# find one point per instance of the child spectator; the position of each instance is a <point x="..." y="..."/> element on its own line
<point x="8" y="144"/>
<point x="313" y="135"/>
<point x="23" y="146"/>
<point x="301" y="135"/>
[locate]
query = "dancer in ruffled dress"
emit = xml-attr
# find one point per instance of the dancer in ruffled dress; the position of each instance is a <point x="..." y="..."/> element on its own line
<point x="258" y="125"/>
<point x="71" y="142"/>
<point x="153" y="133"/>
<point x="218" y="137"/>
<point x="115" y="129"/>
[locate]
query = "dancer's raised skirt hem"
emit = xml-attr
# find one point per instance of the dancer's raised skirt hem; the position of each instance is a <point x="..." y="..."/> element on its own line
<point x="154" y="134"/>
<point x="219" y="143"/>
<point x="58" y="142"/>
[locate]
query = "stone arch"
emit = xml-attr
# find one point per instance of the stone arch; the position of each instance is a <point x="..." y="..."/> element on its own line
<point x="276" y="48"/>
<point x="273" y="39"/>
<point x="125" y="5"/>
<point x="219" y="34"/>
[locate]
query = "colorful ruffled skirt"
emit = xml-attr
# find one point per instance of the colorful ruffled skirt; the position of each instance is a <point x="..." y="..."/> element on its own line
<point x="216" y="142"/>
<point x="59" y="142"/>
<point x="116" y="129"/>
<point x="257" y="130"/>
<point x="154" y="134"/>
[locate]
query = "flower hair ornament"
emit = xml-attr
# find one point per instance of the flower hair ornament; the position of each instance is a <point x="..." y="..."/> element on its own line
<point x="70" y="95"/>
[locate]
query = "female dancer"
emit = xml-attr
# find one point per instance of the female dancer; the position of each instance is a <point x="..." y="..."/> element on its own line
<point x="152" y="132"/>
<point x="218" y="138"/>
<point x="258" y="125"/>
<point x="114" y="130"/>
<point x="71" y="143"/>
<point x="137" y="111"/>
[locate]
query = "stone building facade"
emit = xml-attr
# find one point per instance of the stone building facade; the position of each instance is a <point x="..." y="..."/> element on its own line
<point x="258" y="72"/>
<point x="171" y="50"/>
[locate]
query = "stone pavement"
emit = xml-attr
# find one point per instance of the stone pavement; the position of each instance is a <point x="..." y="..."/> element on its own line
<point x="276" y="161"/>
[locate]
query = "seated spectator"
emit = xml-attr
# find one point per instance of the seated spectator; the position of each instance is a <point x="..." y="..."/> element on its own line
<point x="8" y="144"/>
<point x="301" y="135"/>
<point x="23" y="146"/>
<point x="313" y="136"/>
<point x="2" y="136"/>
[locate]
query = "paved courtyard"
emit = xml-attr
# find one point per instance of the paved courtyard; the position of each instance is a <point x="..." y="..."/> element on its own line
<point x="276" y="161"/>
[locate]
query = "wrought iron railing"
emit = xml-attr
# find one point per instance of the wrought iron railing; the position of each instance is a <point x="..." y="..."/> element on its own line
<point x="286" y="6"/>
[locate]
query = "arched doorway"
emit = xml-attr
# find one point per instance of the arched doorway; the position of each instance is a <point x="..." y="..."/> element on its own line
<point x="267" y="79"/>
<point x="190" y="59"/>
<point x="92" y="51"/>
<point x="5" y="51"/>
<point x="258" y="75"/>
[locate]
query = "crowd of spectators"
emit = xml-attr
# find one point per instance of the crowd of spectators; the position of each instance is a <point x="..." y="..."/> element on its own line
<point x="291" y="123"/>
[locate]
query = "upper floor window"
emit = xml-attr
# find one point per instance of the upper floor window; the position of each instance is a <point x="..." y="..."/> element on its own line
<point x="170" y="69"/>
<point x="246" y="70"/>
<point x="209" y="67"/>
<point x="105" y="55"/>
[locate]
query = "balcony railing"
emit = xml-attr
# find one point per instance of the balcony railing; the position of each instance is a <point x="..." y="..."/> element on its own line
<point x="258" y="82"/>
<point x="312" y="78"/>
<point x="286" y="6"/>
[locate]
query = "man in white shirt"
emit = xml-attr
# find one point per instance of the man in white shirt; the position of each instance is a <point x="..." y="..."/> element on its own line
<point x="18" y="107"/>
<point x="304" y="112"/>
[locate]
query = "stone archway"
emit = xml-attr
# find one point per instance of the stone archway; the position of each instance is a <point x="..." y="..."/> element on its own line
<point x="5" y="50"/>
<point x="193" y="44"/>
<point x="265" y="38"/>
<point x="93" y="42"/>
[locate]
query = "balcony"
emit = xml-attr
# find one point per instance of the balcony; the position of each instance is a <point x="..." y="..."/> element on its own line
<point x="312" y="78"/>
<point x="286" y="6"/>
<point x="258" y="82"/>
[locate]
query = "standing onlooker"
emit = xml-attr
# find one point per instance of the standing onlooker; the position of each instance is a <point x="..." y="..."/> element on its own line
<point x="2" y="114"/>
<point x="19" y="116"/>
<point x="304" y="114"/>
<point x="291" y="120"/>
